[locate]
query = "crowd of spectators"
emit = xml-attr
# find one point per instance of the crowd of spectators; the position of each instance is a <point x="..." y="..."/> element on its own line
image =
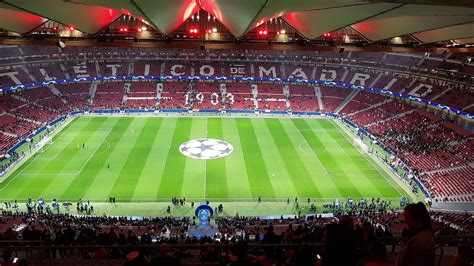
<point x="361" y="237"/>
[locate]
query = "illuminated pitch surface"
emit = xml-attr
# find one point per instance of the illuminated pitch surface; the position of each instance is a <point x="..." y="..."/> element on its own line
<point x="271" y="158"/>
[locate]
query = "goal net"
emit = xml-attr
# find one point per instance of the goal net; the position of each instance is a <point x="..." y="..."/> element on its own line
<point x="44" y="143"/>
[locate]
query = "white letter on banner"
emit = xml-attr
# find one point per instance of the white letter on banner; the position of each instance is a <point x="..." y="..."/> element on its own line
<point x="238" y="71"/>
<point x="360" y="77"/>
<point x="390" y="84"/>
<point x="271" y="71"/>
<point x="114" y="68"/>
<point x="324" y="72"/>
<point x="414" y="92"/>
<point x="173" y="70"/>
<point x="298" y="73"/>
<point x="11" y="75"/>
<point x="209" y="72"/>
<point x="81" y="70"/>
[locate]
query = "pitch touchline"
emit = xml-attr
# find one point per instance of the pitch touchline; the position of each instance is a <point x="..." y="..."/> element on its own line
<point x="368" y="159"/>
<point x="253" y="200"/>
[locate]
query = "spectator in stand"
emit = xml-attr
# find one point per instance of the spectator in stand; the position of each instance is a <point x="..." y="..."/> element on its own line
<point x="340" y="243"/>
<point x="419" y="248"/>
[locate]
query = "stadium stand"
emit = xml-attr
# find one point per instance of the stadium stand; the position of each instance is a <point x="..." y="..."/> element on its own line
<point x="389" y="119"/>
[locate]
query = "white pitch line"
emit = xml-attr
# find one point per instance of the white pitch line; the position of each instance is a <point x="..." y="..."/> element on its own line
<point x="56" y="155"/>
<point x="366" y="156"/>
<point x="205" y="167"/>
<point x="315" y="155"/>
<point x="92" y="155"/>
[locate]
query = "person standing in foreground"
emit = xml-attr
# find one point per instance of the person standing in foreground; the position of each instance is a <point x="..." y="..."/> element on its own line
<point x="419" y="248"/>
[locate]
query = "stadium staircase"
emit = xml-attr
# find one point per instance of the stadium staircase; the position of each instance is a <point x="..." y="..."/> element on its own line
<point x="317" y="92"/>
<point x="63" y="68"/>
<point x="92" y="91"/>
<point x="346" y="101"/>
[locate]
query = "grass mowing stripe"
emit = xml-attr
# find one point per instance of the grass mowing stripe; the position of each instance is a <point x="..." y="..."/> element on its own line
<point x="173" y="174"/>
<point x="26" y="164"/>
<point x="89" y="174"/>
<point x="382" y="182"/>
<point x="216" y="184"/>
<point x="300" y="176"/>
<point x="132" y="170"/>
<point x="360" y="165"/>
<point x="195" y="170"/>
<point x="343" y="183"/>
<point x="282" y="184"/>
<point x="149" y="182"/>
<point x="238" y="185"/>
<point x="318" y="172"/>
<point x="50" y="173"/>
<point x="257" y="173"/>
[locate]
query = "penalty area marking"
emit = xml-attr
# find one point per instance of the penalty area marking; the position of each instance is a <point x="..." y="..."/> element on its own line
<point x="56" y="155"/>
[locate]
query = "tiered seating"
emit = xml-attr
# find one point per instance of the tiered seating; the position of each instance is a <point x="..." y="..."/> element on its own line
<point x="142" y="95"/>
<point x="19" y="74"/>
<point x="44" y="98"/>
<point x="239" y="96"/>
<point x="47" y="72"/>
<point x="203" y="69"/>
<point x="237" y="69"/>
<point x="457" y="98"/>
<point x="121" y="68"/>
<point x="141" y="68"/>
<point x="6" y="141"/>
<point x="14" y="125"/>
<point x="333" y="97"/>
<point x="173" y="95"/>
<point x="80" y="69"/>
<point x="108" y="96"/>
<point x="451" y="182"/>
<point x="7" y="103"/>
<point x="76" y="95"/>
<point x="399" y="85"/>
<point x="366" y="82"/>
<point x="211" y="96"/>
<point x="322" y="74"/>
<point x="361" y="101"/>
<point x="270" y="97"/>
<point x="394" y="60"/>
<point x="178" y="68"/>
<point x="302" y="71"/>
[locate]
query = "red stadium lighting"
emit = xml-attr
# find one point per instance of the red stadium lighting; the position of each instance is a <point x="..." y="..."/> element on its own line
<point x="193" y="31"/>
<point x="71" y="28"/>
<point x="263" y="33"/>
<point x="327" y="34"/>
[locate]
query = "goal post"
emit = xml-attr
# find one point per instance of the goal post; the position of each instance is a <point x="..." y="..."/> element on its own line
<point x="44" y="143"/>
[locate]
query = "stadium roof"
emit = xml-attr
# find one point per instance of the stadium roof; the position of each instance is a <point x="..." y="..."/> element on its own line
<point x="426" y="20"/>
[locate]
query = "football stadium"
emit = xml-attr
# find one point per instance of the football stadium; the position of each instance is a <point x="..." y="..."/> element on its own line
<point x="217" y="132"/>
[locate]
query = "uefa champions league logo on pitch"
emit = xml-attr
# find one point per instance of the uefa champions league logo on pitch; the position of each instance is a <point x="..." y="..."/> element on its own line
<point x="205" y="149"/>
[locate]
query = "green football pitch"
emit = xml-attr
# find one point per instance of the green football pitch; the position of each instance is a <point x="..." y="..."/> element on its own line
<point x="138" y="159"/>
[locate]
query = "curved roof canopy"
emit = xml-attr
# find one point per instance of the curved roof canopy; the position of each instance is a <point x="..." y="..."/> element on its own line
<point x="426" y="20"/>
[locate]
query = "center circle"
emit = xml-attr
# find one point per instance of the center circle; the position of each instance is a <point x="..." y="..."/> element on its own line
<point x="206" y="149"/>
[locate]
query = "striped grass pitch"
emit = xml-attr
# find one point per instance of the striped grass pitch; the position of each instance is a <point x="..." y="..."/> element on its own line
<point x="137" y="159"/>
